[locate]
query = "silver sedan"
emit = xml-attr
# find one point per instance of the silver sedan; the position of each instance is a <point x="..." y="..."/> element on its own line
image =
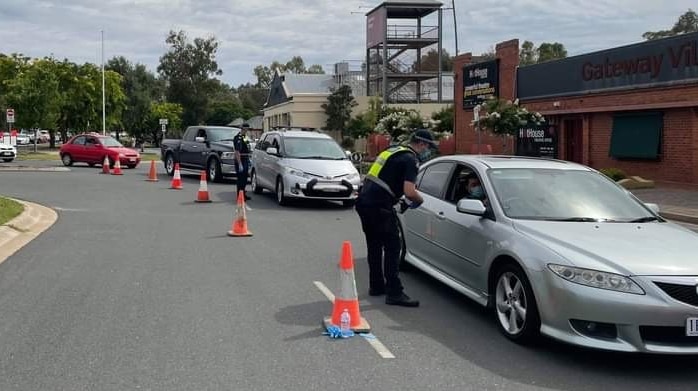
<point x="556" y="248"/>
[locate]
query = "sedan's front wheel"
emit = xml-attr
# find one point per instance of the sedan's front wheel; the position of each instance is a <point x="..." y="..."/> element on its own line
<point x="515" y="306"/>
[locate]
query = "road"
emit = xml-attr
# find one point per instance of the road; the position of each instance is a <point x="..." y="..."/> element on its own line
<point x="138" y="287"/>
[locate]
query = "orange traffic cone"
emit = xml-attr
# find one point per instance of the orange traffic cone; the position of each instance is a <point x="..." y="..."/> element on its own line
<point x="105" y="165"/>
<point x="347" y="297"/>
<point x="117" y="168"/>
<point x="153" y="174"/>
<point x="240" y="223"/>
<point x="202" y="195"/>
<point x="177" y="179"/>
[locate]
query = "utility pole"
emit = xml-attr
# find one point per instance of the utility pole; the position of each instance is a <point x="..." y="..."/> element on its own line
<point x="104" y="111"/>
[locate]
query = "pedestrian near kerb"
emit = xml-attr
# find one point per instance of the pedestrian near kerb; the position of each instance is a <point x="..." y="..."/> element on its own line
<point x="241" y="144"/>
<point x="391" y="177"/>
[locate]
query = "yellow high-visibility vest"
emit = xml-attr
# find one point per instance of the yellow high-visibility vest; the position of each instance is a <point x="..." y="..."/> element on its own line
<point x="378" y="165"/>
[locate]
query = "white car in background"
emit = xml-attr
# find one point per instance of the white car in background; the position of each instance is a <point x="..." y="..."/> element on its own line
<point x="8" y="152"/>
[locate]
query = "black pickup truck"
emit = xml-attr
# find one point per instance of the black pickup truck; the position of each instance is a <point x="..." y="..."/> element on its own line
<point x="207" y="148"/>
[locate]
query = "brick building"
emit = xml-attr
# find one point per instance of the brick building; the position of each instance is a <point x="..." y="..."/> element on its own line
<point x="633" y="107"/>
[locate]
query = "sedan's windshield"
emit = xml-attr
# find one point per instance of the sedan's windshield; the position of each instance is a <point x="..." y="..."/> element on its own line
<point x="110" y="142"/>
<point x="313" y="148"/>
<point x="221" y="134"/>
<point x="563" y="195"/>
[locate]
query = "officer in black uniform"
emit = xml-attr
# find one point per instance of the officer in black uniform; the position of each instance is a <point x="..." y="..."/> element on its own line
<point x="391" y="176"/>
<point x="242" y="154"/>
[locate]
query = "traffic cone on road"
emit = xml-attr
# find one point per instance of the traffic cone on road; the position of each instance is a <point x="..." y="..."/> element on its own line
<point x="117" y="168"/>
<point x="177" y="179"/>
<point x="153" y="174"/>
<point x="202" y="195"/>
<point x="105" y="165"/>
<point x="240" y="223"/>
<point x="347" y="297"/>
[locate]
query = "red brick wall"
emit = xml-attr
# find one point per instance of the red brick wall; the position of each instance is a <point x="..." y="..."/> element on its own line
<point x="678" y="161"/>
<point x="466" y="134"/>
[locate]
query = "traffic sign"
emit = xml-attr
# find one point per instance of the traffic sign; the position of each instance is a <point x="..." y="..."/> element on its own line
<point x="10" y="116"/>
<point x="163" y="121"/>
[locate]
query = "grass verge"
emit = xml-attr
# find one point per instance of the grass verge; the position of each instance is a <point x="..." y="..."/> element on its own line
<point x="9" y="209"/>
<point x="26" y="155"/>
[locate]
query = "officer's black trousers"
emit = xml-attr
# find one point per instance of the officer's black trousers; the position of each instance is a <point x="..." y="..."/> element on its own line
<point x="380" y="225"/>
<point x="242" y="177"/>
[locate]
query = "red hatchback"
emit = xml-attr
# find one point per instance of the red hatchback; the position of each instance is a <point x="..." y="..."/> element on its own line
<point x="92" y="148"/>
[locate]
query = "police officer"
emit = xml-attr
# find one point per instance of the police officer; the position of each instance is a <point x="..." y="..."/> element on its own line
<point x="391" y="176"/>
<point x="242" y="154"/>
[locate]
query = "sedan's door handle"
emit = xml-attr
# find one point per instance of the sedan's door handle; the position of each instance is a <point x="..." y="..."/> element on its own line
<point x="440" y="216"/>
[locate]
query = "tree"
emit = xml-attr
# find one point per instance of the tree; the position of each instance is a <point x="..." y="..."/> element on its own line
<point x="252" y="98"/>
<point x="443" y="120"/>
<point x="489" y="55"/>
<point x="687" y="23"/>
<point x="33" y="93"/>
<point x="338" y="108"/>
<point x="78" y="102"/>
<point x="187" y="68"/>
<point x="172" y="112"/>
<point x="224" y="112"/>
<point x="529" y="54"/>
<point x="141" y="89"/>
<point x="430" y="61"/>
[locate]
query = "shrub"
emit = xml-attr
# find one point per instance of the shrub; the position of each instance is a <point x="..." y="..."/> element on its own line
<point x="614" y="173"/>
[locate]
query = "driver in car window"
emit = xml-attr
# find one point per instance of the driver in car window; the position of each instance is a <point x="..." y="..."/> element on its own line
<point x="474" y="189"/>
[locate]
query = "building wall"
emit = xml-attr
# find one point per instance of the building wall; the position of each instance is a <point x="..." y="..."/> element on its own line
<point x="466" y="134"/>
<point x="424" y="109"/>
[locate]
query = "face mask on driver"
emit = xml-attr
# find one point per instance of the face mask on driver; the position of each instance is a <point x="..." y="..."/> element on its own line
<point x="477" y="192"/>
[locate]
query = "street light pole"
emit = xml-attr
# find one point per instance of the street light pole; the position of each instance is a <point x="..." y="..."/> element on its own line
<point x="455" y="23"/>
<point x="104" y="111"/>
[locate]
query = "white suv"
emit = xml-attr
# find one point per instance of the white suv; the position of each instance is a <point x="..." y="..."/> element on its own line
<point x="8" y="152"/>
<point x="303" y="164"/>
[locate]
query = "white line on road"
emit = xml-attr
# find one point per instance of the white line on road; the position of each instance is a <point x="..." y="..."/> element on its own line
<point x="374" y="342"/>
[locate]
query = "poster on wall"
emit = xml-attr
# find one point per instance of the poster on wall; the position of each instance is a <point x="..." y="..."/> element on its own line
<point x="537" y="141"/>
<point x="480" y="83"/>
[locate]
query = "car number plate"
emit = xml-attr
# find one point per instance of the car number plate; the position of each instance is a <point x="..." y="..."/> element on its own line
<point x="6" y="153"/>
<point x="133" y="159"/>
<point x="692" y="327"/>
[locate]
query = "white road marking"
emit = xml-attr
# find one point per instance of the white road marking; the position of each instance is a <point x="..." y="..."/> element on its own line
<point x="374" y="342"/>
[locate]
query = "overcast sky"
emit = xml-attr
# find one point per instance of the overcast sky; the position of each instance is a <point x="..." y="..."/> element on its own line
<point x="256" y="32"/>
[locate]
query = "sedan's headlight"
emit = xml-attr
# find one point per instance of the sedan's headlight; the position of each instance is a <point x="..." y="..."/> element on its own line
<point x="597" y="279"/>
<point x="228" y="155"/>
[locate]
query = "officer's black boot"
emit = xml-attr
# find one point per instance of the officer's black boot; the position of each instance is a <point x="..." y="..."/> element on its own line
<point x="402" y="300"/>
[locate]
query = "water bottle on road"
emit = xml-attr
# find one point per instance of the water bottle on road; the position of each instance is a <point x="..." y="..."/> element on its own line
<point x="345" y="322"/>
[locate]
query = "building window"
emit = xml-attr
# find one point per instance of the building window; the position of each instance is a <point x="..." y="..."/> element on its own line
<point x="637" y="135"/>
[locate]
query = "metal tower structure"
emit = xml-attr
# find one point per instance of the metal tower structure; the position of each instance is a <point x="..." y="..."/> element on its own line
<point x="397" y="40"/>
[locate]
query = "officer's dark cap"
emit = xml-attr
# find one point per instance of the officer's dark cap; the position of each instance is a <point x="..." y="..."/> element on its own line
<point x="423" y="135"/>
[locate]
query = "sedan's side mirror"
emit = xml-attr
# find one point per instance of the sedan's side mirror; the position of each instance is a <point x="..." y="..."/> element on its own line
<point x="653" y="207"/>
<point x="200" y="139"/>
<point x="471" y="207"/>
<point x="272" y="151"/>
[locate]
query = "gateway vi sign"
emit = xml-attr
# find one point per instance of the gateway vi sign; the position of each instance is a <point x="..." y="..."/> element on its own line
<point x="656" y="63"/>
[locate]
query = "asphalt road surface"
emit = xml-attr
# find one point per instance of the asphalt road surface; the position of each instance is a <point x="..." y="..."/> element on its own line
<point x="138" y="287"/>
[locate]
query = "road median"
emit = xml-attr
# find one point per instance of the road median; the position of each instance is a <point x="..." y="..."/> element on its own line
<point x="25" y="227"/>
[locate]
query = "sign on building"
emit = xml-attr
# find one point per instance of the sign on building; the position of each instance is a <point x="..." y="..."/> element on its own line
<point x="538" y="141"/>
<point x="480" y="83"/>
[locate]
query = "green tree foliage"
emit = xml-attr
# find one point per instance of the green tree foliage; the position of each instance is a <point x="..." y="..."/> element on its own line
<point x="530" y="54"/>
<point x="172" y="112"/>
<point x="187" y="68"/>
<point x="443" y="120"/>
<point x="33" y="93"/>
<point x="141" y="88"/>
<point x="430" y="61"/>
<point x="338" y="108"/>
<point x="687" y="23"/>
